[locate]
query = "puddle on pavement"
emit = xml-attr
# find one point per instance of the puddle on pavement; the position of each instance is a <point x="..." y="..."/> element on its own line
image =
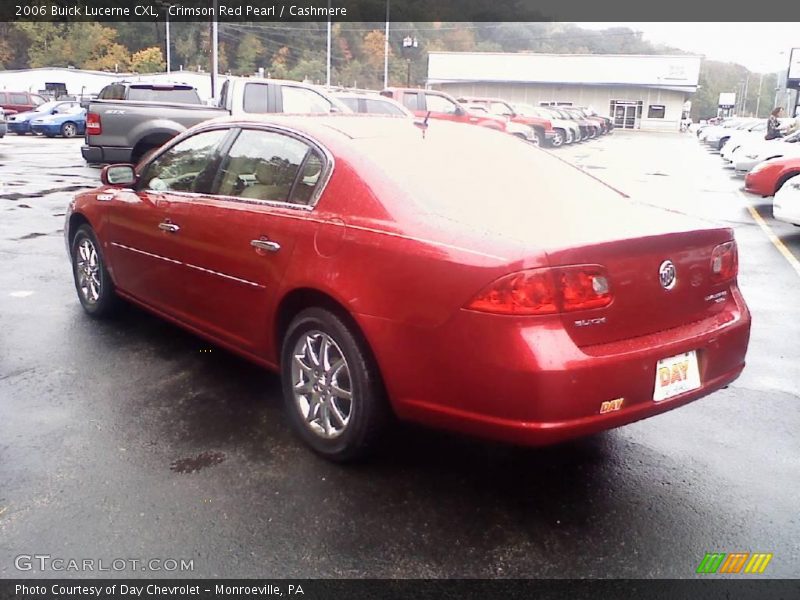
<point x="201" y="461"/>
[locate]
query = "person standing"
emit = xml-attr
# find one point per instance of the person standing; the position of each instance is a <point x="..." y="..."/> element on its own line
<point x="774" y="124"/>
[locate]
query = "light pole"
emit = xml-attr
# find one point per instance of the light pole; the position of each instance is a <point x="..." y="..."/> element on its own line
<point x="386" y="50"/>
<point x="409" y="43"/>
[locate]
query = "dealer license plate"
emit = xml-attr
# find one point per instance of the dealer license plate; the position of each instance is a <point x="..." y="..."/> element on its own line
<point x="676" y="375"/>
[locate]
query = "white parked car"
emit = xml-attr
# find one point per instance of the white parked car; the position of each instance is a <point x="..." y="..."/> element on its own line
<point x="525" y="132"/>
<point x="752" y="133"/>
<point x="786" y="203"/>
<point x="718" y="137"/>
<point x="708" y="130"/>
<point x="749" y="155"/>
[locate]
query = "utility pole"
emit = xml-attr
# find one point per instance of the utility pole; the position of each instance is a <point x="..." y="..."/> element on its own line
<point x="758" y="99"/>
<point x="386" y="50"/>
<point x="214" y="51"/>
<point x="169" y="63"/>
<point x="744" y="96"/>
<point x="328" y="68"/>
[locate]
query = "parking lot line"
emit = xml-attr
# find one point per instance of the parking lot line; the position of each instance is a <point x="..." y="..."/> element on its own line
<point x="774" y="238"/>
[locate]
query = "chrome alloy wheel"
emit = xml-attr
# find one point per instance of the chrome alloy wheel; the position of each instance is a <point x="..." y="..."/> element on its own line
<point x="87" y="269"/>
<point x="321" y="383"/>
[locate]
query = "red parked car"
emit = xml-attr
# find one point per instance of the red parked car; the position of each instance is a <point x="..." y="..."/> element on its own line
<point x="496" y="106"/>
<point x="441" y="106"/>
<point x="380" y="278"/>
<point x="767" y="177"/>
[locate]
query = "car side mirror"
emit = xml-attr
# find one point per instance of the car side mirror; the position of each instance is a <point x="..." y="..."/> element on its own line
<point x="460" y="111"/>
<point x="122" y="175"/>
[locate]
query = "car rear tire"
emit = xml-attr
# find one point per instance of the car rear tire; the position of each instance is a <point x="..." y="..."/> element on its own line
<point x="69" y="130"/>
<point x="558" y="138"/>
<point x="332" y="389"/>
<point x="92" y="280"/>
<point x="541" y="139"/>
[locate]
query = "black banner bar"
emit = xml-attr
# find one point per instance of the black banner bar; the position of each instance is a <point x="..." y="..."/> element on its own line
<point x="314" y="589"/>
<point x="262" y="11"/>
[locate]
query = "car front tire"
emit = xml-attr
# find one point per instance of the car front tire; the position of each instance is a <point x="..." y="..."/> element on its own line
<point x="92" y="280"/>
<point x="332" y="389"/>
<point x="558" y="139"/>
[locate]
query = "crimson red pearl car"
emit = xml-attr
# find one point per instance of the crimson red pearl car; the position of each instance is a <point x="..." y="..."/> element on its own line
<point x="452" y="275"/>
<point x="767" y="177"/>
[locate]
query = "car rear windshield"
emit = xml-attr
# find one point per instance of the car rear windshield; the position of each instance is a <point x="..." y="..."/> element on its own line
<point x="460" y="171"/>
<point x="148" y="94"/>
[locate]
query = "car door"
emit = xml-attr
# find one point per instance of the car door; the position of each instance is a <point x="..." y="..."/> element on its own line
<point x="144" y="254"/>
<point x="443" y="108"/>
<point x="237" y="243"/>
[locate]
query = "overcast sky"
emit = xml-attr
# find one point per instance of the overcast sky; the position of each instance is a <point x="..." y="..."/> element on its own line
<point x="757" y="46"/>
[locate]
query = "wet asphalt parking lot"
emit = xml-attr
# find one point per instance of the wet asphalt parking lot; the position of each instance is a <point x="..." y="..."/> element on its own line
<point x="131" y="439"/>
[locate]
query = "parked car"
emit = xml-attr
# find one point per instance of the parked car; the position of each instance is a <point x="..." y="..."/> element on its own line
<point x="542" y="126"/>
<point x="592" y="126"/>
<point x="712" y="128"/>
<point x="129" y="120"/>
<point x="719" y="136"/>
<point x="14" y="102"/>
<point x="3" y="125"/>
<point x="359" y="256"/>
<point x="745" y="159"/>
<point x="373" y="104"/>
<point x="587" y="129"/>
<point x="753" y="132"/>
<point x="67" y="123"/>
<point x="441" y="106"/>
<point x="786" y="204"/>
<point x="520" y="130"/>
<point x="769" y="176"/>
<point x="20" y="123"/>
<point x="565" y="131"/>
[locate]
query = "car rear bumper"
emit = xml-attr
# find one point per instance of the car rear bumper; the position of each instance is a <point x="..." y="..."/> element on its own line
<point x="106" y="154"/>
<point x="532" y="385"/>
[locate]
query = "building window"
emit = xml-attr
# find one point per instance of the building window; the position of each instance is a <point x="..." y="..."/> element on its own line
<point x="656" y="111"/>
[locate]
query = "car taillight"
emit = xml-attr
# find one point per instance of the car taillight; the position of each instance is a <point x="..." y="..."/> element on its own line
<point x="584" y="287"/>
<point x="724" y="262"/>
<point x="545" y="291"/>
<point x="93" y="126"/>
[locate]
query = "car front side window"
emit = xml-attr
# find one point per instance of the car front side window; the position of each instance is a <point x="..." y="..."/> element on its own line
<point x="440" y="104"/>
<point x="189" y="166"/>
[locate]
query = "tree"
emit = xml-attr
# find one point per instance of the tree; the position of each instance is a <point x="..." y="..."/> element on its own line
<point x="149" y="60"/>
<point x="248" y="55"/>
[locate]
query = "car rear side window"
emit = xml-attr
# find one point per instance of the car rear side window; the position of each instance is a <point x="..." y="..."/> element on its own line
<point x="189" y="166"/>
<point x="351" y="103"/>
<point x="19" y="99"/>
<point x="255" y="98"/>
<point x="379" y="107"/>
<point x="411" y="101"/>
<point x="150" y="94"/>
<point x="302" y="101"/>
<point x="440" y="104"/>
<point x="112" y="92"/>
<point x="270" y="166"/>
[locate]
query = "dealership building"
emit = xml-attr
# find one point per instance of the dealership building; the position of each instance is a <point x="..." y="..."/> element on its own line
<point x="638" y="91"/>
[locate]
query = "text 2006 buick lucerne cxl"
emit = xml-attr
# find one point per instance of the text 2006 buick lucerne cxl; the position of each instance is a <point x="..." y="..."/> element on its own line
<point x="449" y="275"/>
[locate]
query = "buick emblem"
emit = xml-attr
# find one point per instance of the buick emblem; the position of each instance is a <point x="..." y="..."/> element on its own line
<point x="666" y="275"/>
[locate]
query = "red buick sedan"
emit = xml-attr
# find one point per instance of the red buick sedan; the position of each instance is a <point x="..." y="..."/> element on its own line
<point x="452" y="276"/>
<point x="767" y="177"/>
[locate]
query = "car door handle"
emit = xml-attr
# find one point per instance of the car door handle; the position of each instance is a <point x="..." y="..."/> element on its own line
<point x="170" y="227"/>
<point x="264" y="244"/>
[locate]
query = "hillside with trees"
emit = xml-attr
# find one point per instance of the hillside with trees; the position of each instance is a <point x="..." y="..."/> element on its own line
<point x="298" y="50"/>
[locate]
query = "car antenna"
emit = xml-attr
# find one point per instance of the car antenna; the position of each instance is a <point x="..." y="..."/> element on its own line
<point x="424" y="124"/>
